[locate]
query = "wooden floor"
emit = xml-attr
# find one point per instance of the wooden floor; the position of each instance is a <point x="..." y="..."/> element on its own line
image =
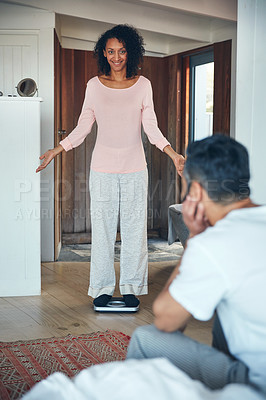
<point x="65" y="308"/>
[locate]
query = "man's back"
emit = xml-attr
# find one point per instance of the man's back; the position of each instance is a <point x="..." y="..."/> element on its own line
<point x="224" y="268"/>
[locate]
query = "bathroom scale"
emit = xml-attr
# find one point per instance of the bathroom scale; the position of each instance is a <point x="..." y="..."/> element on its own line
<point x="116" y="304"/>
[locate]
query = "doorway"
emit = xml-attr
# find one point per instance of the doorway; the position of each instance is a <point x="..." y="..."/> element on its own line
<point x="206" y="92"/>
<point x="172" y="100"/>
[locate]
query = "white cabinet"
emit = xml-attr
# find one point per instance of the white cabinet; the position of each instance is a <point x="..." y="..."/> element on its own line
<point x="20" y="269"/>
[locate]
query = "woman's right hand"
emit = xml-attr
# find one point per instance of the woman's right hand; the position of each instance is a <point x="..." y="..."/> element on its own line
<point x="48" y="156"/>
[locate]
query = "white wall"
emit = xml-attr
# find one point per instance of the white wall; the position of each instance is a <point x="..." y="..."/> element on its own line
<point x="20" y="269"/>
<point x="18" y="58"/>
<point x="26" y="20"/>
<point x="251" y="90"/>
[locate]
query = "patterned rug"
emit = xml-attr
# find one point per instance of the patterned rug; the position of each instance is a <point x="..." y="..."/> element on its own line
<point x="24" y="363"/>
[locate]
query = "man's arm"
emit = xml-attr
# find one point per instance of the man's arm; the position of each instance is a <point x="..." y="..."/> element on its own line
<point x="169" y="314"/>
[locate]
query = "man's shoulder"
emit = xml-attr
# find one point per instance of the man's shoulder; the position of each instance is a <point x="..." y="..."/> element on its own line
<point x="232" y="231"/>
<point x="254" y="217"/>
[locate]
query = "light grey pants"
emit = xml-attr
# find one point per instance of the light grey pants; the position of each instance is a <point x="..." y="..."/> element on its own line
<point x="124" y="197"/>
<point x="207" y="364"/>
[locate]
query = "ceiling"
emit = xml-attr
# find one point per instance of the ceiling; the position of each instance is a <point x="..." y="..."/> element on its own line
<point x="168" y="26"/>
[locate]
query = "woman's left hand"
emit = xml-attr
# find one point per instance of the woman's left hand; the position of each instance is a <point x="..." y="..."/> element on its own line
<point x="179" y="162"/>
<point x="178" y="159"/>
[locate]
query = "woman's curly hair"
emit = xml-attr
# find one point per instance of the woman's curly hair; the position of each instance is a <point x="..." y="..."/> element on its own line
<point x="133" y="43"/>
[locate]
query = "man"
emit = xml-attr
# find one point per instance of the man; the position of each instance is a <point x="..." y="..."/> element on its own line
<point x="223" y="271"/>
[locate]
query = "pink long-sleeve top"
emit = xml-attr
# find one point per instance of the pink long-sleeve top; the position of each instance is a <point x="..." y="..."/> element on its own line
<point x="119" y="114"/>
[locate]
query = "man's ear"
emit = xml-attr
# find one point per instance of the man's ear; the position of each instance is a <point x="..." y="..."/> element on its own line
<point x="196" y="191"/>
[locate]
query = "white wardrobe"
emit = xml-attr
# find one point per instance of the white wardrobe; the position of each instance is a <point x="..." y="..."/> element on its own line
<point x="20" y="268"/>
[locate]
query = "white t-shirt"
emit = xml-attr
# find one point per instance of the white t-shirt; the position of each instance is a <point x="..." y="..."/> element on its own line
<point x="224" y="268"/>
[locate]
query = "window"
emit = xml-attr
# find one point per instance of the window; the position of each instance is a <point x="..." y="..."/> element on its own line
<point x="201" y="95"/>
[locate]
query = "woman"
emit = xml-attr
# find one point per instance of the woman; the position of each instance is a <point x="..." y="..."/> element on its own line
<point x="120" y="101"/>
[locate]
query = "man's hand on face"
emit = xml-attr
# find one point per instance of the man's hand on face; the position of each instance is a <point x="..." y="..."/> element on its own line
<point x="194" y="216"/>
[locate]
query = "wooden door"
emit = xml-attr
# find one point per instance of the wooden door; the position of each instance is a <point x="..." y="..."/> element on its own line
<point x="222" y="87"/>
<point x="76" y="69"/>
<point x="58" y="159"/>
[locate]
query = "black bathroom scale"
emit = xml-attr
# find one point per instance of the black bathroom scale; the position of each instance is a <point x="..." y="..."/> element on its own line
<point x="116" y="304"/>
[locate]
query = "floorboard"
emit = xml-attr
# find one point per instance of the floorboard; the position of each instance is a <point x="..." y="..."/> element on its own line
<point x="65" y="308"/>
